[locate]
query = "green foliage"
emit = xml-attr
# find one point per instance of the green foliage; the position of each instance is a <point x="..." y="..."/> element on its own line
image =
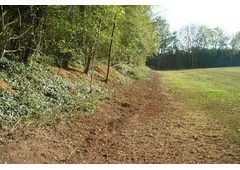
<point x="196" y="46"/>
<point x="139" y="37"/>
<point x="44" y="36"/>
<point x="21" y="31"/>
<point x="40" y="91"/>
<point x="131" y="71"/>
<point x="140" y="72"/>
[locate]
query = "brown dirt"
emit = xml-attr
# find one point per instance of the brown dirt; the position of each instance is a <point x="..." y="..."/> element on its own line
<point x="7" y="87"/>
<point x="65" y="74"/>
<point x="140" y="123"/>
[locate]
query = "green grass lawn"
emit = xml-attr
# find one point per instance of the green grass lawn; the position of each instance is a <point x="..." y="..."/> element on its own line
<point x="214" y="92"/>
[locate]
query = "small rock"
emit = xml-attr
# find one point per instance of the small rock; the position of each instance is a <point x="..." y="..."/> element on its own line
<point x="195" y="137"/>
<point x="125" y="104"/>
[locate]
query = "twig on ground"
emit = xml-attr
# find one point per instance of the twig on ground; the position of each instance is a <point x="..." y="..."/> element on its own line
<point x="14" y="127"/>
<point x="72" y="152"/>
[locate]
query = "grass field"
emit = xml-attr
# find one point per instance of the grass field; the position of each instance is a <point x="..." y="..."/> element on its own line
<point x="214" y="92"/>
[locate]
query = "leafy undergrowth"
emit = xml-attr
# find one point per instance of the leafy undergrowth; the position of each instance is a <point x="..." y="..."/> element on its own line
<point x="213" y="92"/>
<point x="46" y="94"/>
<point x="132" y="71"/>
<point x="40" y="91"/>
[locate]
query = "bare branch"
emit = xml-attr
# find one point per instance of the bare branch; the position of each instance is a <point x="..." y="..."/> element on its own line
<point x="17" y="37"/>
<point x="20" y="19"/>
<point x="10" y="23"/>
<point x="9" y="51"/>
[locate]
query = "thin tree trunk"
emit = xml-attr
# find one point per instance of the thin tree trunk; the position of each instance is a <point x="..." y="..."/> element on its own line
<point x="192" y="65"/>
<point x="110" y="50"/>
<point x="2" y="15"/>
<point x="88" y="63"/>
<point x="96" y="47"/>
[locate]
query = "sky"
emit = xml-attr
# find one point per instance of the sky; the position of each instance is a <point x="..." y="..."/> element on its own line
<point x="212" y="13"/>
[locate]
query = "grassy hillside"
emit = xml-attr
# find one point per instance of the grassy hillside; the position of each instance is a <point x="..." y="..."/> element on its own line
<point x="48" y="94"/>
<point x="214" y="92"/>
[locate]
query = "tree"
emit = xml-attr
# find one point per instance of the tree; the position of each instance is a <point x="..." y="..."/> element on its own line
<point x="139" y="38"/>
<point x="199" y="46"/>
<point x="188" y="36"/>
<point x="20" y="30"/>
<point x="166" y="40"/>
<point x="219" y="39"/>
<point x="79" y="34"/>
<point x="235" y="47"/>
<point x="235" y="41"/>
<point x="110" y="48"/>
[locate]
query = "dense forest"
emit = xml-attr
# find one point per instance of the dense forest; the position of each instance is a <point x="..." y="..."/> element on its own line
<point x="111" y="35"/>
<point x="70" y="34"/>
<point x="195" y="46"/>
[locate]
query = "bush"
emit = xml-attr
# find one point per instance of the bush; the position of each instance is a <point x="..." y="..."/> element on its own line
<point x="134" y="72"/>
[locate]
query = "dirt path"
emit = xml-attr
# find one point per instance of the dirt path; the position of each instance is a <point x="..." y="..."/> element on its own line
<point x="138" y="124"/>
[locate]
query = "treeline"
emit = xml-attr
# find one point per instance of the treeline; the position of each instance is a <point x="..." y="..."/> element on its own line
<point x="78" y="34"/>
<point x="111" y="35"/>
<point x="196" y="46"/>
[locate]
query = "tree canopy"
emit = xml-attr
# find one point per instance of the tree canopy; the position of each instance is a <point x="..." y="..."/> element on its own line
<point x="84" y="34"/>
<point x="78" y="34"/>
<point x="196" y="46"/>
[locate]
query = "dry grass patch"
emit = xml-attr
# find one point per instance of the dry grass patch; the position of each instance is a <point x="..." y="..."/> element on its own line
<point x="6" y="87"/>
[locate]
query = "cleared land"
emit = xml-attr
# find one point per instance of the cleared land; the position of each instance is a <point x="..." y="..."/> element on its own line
<point x="148" y="121"/>
<point x="213" y="92"/>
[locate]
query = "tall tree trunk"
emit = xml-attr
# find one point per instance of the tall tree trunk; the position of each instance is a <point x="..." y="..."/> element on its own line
<point x="230" y="61"/>
<point x="192" y="61"/>
<point x="2" y="17"/>
<point x="81" y="38"/>
<point x="96" y="50"/>
<point x="88" y="63"/>
<point x="110" y="50"/>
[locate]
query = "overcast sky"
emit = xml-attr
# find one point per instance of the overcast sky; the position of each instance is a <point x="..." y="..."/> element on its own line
<point x="212" y="13"/>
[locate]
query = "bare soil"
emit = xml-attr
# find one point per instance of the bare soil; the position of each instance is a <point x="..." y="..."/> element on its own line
<point x="139" y="123"/>
<point x="6" y="87"/>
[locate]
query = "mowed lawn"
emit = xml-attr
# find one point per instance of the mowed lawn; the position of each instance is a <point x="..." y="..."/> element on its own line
<point x="214" y="92"/>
